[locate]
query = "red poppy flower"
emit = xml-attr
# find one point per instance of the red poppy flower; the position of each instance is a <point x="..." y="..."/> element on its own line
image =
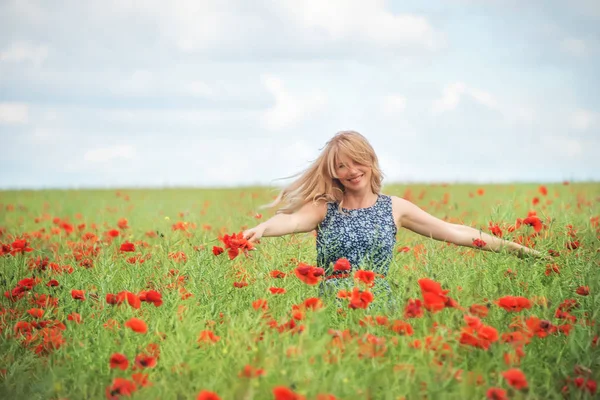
<point x="207" y="395"/>
<point x="342" y="264"/>
<point x="313" y="303"/>
<point x="137" y="325"/>
<point x="35" y="312"/>
<point x="309" y="274"/>
<point x="120" y="387"/>
<point x="360" y="299"/>
<point x="116" y="298"/>
<point x="75" y="317"/>
<point x="113" y="233"/>
<point x="251" y="372"/>
<point x="236" y="243"/>
<point x="402" y="327"/>
<point x="123" y="223"/>
<point x="127" y="247"/>
<point x="140" y="379"/>
<point x="52" y="283"/>
<point x="583" y="290"/>
<point x="479" y="310"/>
<point x="367" y="277"/>
<point x="151" y="296"/>
<point x="433" y="302"/>
<point x="260" y="304"/>
<point x="118" y="360"/>
<point x="533" y="221"/>
<point x="495" y="229"/>
<point x="217" y="250"/>
<point x="284" y="393"/>
<point x="240" y="284"/>
<point x="515" y="378"/>
<point x="133" y="300"/>
<point x="479" y="243"/>
<point x="145" y="361"/>
<point x="513" y="303"/>
<point x="496" y="394"/>
<point x="78" y="294"/>
<point x="20" y="246"/>
<point x="413" y="309"/>
<point x="276" y="290"/>
<point x="277" y="274"/>
<point x="208" y="336"/>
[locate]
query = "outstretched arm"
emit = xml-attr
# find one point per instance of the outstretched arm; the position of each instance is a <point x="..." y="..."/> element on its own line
<point x="305" y="219"/>
<point x="415" y="219"/>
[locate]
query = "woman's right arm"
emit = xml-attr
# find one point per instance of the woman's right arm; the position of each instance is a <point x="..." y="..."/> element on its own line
<point x="305" y="219"/>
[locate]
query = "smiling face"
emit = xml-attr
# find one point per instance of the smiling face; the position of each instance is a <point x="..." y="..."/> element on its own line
<point x="352" y="174"/>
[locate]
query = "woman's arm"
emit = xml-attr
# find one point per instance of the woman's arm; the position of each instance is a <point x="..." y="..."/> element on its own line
<point x="415" y="219"/>
<point x="305" y="219"/>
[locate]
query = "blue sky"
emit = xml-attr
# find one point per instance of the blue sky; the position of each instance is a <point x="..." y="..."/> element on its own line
<point x="120" y="93"/>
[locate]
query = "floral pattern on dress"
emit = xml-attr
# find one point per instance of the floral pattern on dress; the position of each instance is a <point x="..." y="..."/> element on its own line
<point x="364" y="236"/>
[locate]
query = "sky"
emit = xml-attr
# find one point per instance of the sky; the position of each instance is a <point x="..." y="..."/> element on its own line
<point x="203" y="93"/>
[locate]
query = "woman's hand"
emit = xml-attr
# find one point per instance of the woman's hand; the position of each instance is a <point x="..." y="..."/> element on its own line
<point x="253" y="235"/>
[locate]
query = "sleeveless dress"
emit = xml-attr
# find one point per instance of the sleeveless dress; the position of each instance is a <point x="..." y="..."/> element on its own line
<point x="364" y="236"/>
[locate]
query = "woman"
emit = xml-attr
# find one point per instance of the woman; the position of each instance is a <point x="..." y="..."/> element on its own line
<point x="340" y="196"/>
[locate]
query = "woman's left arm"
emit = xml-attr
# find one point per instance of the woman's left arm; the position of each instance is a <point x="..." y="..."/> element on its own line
<point x="415" y="219"/>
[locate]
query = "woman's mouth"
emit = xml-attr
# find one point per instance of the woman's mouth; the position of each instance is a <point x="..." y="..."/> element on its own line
<point x="356" y="179"/>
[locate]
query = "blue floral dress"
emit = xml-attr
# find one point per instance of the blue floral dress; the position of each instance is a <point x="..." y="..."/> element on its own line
<point x="364" y="236"/>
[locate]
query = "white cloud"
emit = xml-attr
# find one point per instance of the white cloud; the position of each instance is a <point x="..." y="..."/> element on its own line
<point x="450" y="97"/>
<point x="19" y="52"/>
<point x="572" y="46"/>
<point x="583" y="119"/>
<point x="14" y="113"/>
<point x="453" y="92"/>
<point x="393" y="104"/>
<point x="141" y="81"/>
<point x="483" y="97"/>
<point x="289" y="110"/>
<point x="106" y="154"/>
<point x="367" y="21"/>
<point x="199" y="88"/>
<point x="562" y="146"/>
<point x="193" y="25"/>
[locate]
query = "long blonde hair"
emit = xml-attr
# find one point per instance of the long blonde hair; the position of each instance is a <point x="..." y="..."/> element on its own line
<point x="320" y="182"/>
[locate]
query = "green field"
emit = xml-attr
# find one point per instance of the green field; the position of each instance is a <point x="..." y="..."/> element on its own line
<point x="211" y="334"/>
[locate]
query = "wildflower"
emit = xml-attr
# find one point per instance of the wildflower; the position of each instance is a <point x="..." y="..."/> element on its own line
<point x="284" y="393"/>
<point x="127" y="247"/>
<point x="342" y="264"/>
<point x="496" y="394"/>
<point x="78" y="294"/>
<point x="207" y="395"/>
<point x="479" y="243"/>
<point x="583" y="290"/>
<point x="145" y="361"/>
<point x="367" y="277"/>
<point x="515" y="378"/>
<point x="309" y="274"/>
<point x="137" y="325"/>
<point x="118" y="360"/>
<point x="514" y="303"/>
<point x="360" y="299"/>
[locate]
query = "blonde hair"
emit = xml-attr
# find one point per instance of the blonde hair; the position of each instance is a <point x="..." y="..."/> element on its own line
<point x="320" y="182"/>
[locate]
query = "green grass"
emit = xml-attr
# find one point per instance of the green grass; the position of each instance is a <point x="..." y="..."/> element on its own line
<point x="307" y="362"/>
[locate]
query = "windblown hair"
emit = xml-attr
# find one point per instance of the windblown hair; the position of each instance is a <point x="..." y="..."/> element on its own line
<point x="320" y="181"/>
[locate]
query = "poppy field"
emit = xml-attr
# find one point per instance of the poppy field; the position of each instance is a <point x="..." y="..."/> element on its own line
<point x="154" y="294"/>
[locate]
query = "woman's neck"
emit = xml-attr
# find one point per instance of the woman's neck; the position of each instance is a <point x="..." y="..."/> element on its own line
<point x="359" y="200"/>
